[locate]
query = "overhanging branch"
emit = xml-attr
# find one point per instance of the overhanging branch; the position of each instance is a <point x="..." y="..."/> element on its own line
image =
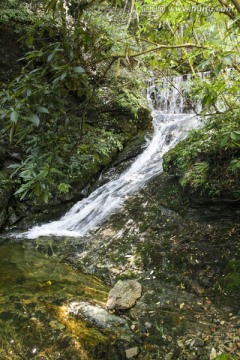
<point x="160" y="47"/>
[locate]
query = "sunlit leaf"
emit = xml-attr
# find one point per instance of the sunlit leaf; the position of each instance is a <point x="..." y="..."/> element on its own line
<point x="14" y="116"/>
<point x="34" y="119"/>
<point x="78" y="69"/>
<point x="42" y="109"/>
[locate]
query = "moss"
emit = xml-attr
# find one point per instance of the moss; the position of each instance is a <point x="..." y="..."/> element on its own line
<point x="226" y="357"/>
<point x="230" y="283"/>
<point x="128" y="275"/>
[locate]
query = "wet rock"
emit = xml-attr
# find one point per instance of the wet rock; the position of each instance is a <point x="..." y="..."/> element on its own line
<point x="199" y="342"/>
<point x="124" y="295"/>
<point x="97" y="315"/>
<point x="3" y="217"/>
<point x="148" y="325"/>
<point x="198" y="308"/>
<point x="193" y="343"/>
<point x="131" y="353"/>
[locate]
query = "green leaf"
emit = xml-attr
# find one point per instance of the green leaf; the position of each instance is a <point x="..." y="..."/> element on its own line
<point x="51" y="56"/>
<point x="34" y="119"/>
<point x="11" y="133"/>
<point x="217" y="69"/>
<point x="78" y="69"/>
<point x="43" y="110"/>
<point x="14" y="116"/>
<point x="29" y="92"/>
<point x="3" y="114"/>
<point x="63" y="76"/>
<point x="233" y="136"/>
<point x="52" y="5"/>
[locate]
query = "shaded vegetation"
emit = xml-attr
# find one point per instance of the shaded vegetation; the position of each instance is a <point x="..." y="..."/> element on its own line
<point x="208" y="161"/>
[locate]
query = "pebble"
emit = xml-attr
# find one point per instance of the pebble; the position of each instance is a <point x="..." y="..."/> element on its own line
<point x="148" y="325"/>
<point x="198" y="342"/>
<point x="169" y="356"/>
<point x="198" y="308"/>
<point x="131" y="353"/>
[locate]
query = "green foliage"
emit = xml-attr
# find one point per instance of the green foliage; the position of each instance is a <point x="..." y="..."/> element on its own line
<point x="37" y="174"/>
<point x="14" y="10"/>
<point x="64" y="188"/>
<point x="209" y="159"/>
<point x="226" y="357"/>
<point x="128" y="102"/>
<point x="95" y="150"/>
<point x="230" y="283"/>
<point x="197" y="176"/>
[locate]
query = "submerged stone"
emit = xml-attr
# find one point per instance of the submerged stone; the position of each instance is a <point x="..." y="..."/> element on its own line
<point x="97" y="315"/>
<point x="124" y="295"/>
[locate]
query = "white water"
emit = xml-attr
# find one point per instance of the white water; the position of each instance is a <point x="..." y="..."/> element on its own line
<point x="171" y="124"/>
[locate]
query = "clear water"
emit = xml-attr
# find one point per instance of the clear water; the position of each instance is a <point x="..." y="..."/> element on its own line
<point x="36" y="287"/>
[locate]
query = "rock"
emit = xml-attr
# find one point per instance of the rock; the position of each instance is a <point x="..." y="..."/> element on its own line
<point x="3" y="217"/>
<point x="131" y="353"/>
<point x="97" y="315"/>
<point x="148" y="325"/>
<point x="169" y="356"/>
<point x="213" y="354"/>
<point x="199" y="342"/>
<point x="124" y="295"/>
<point x="193" y="343"/>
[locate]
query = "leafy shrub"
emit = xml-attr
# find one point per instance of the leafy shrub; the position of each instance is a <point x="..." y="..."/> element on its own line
<point x="208" y="160"/>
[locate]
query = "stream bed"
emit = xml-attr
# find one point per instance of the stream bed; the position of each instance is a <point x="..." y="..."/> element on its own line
<point x="178" y="251"/>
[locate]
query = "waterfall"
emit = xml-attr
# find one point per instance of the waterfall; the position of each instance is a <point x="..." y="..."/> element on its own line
<point x="172" y="118"/>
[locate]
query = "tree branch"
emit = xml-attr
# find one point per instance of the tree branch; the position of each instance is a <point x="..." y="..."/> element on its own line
<point x="236" y="3"/>
<point x="159" y="47"/>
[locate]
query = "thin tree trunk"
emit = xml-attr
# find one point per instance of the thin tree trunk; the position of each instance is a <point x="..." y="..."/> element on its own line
<point x="236" y="3"/>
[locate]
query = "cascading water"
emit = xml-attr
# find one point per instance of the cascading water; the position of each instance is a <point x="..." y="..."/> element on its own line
<point x="172" y="118"/>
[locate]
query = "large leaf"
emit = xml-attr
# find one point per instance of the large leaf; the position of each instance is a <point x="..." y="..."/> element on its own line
<point x="14" y="116"/>
<point x="43" y="110"/>
<point x="51" y="56"/>
<point x="34" y="119"/>
<point x="52" y="5"/>
<point x="78" y="69"/>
